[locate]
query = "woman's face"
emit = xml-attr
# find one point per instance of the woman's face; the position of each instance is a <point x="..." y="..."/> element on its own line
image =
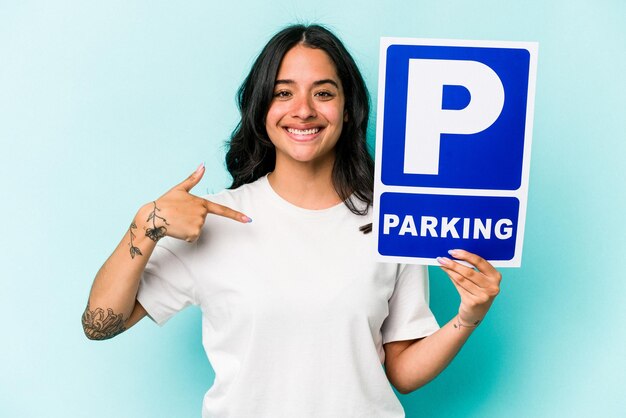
<point x="305" y="118"/>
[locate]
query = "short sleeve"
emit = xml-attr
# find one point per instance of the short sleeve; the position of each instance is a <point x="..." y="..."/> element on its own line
<point x="166" y="286"/>
<point x="409" y="316"/>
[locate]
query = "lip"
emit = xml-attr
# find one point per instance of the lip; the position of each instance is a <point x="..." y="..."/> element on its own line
<point x="304" y="136"/>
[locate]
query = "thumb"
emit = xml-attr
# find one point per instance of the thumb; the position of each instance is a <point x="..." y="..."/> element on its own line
<point x="193" y="179"/>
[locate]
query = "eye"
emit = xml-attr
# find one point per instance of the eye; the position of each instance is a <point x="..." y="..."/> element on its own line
<point x="282" y="94"/>
<point x="325" y="94"/>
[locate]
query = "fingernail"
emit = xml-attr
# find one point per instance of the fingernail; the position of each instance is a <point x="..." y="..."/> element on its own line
<point x="453" y="253"/>
<point x="443" y="260"/>
<point x="200" y="167"/>
<point x="246" y="219"/>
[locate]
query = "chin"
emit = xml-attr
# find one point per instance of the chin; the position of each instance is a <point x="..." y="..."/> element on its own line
<point x="303" y="158"/>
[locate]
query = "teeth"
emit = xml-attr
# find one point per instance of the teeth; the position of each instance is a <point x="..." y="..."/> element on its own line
<point x="303" y="131"/>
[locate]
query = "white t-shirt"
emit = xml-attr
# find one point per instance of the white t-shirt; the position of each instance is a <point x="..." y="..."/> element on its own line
<point x="294" y="311"/>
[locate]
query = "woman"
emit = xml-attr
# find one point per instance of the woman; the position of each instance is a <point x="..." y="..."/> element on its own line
<point x="297" y="318"/>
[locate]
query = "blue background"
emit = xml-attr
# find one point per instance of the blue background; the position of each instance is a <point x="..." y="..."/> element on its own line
<point x="490" y="159"/>
<point x="427" y="246"/>
<point x="105" y="105"/>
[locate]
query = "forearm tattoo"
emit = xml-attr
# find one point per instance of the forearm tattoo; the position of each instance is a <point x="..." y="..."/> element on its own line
<point x="133" y="250"/>
<point x="156" y="233"/>
<point x="101" y="325"/>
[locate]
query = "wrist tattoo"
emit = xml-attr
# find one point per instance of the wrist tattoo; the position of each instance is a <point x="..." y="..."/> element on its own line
<point x="156" y="233"/>
<point x="133" y="250"/>
<point x="460" y="325"/>
<point x="101" y="325"/>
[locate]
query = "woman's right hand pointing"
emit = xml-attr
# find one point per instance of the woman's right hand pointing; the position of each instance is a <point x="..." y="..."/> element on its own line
<point x="179" y="214"/>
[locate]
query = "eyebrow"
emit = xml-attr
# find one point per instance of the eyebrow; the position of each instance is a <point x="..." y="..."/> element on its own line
<point x="315" y="83"/>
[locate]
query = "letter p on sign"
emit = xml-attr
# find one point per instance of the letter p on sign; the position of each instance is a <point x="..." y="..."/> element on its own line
<point x="426" y="120"/>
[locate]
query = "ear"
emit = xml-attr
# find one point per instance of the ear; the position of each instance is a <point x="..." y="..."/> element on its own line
<point x="345" y="115"/>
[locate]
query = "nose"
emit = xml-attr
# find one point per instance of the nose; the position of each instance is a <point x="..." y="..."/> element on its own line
<point x="304" y="108"/>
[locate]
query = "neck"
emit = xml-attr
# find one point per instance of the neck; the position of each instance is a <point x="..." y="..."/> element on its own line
<point x="305" y="185"/>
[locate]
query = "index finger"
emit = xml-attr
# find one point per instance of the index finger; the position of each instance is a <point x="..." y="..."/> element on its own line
<point x="477" y="261"/>
<point x="225" y="211"/>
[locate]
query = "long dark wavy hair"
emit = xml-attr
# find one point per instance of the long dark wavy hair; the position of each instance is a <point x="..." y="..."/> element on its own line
<point x="251" y="154"/>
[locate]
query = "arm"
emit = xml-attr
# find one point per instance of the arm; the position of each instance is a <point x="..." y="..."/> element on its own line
<point x="112" y="306"/>
<point x="413" y="363"/>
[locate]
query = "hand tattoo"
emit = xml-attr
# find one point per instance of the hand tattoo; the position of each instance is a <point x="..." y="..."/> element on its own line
<point x="99" y="325"/>
<point x="133" y="250"/>
<point x="156" y="233"/>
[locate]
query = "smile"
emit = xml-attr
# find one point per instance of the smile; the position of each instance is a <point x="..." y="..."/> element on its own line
<point x="303" y="131"/>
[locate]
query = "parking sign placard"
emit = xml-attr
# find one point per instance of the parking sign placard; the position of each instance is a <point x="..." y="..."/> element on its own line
<point x="453" y="143"/>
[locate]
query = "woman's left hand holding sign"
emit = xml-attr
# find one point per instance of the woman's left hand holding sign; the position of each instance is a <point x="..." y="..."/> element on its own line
<point x="478" y="287"/>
